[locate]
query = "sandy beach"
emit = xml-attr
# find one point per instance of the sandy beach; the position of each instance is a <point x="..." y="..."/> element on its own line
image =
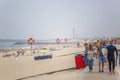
<point x="65" y="75"/>
<point x="26" y="66"/>
<point x="60" y="66"/>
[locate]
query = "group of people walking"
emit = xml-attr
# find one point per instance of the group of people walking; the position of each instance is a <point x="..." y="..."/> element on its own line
<point x="104" y="53"/>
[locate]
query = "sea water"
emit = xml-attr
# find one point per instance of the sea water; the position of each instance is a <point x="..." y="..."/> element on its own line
<point x="10" y="44"/>
<point x="7" y="44"/>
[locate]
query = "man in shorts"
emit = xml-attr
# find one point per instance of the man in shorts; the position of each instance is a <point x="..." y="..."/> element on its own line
<point x="100" y="57"/>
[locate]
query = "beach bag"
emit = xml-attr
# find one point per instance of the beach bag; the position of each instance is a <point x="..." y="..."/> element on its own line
<point x="85" y="60"/>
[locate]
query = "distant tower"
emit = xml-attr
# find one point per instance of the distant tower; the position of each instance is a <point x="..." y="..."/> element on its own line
<point x="73" y="33"/>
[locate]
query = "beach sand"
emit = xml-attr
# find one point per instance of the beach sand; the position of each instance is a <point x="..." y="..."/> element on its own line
<point x="64" y="75"/>
<point x="25" y="66"/>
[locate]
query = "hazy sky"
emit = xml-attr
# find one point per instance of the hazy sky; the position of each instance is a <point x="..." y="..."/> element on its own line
<point x="49" y="19"/>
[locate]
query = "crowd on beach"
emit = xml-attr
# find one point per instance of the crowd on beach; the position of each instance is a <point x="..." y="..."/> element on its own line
<point x="22" y="52"/>
<point x="105" y="53"/>
<point x="33" y="50"/>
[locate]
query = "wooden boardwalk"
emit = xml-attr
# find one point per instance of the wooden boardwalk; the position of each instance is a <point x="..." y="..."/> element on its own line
<point x="95" y="75"/>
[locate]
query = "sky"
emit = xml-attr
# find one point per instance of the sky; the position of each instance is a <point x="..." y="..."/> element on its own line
<point x="51" y="19"/>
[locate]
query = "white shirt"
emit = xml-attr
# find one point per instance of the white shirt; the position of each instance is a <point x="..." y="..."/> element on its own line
<point x="90" y="55"/>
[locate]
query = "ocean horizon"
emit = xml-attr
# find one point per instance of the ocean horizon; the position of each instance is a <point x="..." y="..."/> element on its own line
<point x="7" y="44"/>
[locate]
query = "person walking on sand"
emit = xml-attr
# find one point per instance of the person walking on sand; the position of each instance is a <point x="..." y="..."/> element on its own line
<point x="90" y="58"/>
<point x="101" y="58"/>
<point x="111" y="57"/>
<point x="86" y="53"/>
